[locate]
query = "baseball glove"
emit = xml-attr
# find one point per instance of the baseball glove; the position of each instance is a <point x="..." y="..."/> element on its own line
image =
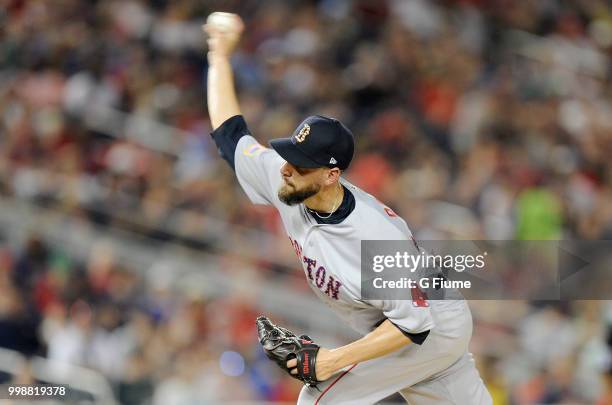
<point x="282" y="345"/>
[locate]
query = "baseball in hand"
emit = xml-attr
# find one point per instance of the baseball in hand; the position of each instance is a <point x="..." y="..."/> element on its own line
<point x="226" y="22"/>
<point x="223" y="31"/>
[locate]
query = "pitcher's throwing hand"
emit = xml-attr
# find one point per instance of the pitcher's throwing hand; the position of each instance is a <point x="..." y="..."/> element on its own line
<point x="223" y="30"/>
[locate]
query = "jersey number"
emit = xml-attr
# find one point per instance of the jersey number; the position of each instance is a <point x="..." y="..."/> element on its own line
<point x="419" y="298"/>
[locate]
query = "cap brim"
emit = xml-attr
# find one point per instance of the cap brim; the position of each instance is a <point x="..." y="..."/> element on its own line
<point x="292" y="154"/>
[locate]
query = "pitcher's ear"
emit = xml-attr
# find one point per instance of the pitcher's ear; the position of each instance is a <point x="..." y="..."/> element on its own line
<point x="333" y="175"/>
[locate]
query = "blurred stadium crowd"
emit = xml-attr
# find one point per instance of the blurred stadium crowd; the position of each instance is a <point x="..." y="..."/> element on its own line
<point x="473" y="120"/>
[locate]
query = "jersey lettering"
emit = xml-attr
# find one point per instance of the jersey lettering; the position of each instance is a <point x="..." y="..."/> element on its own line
<point x="333" y="287"/>
<point x="326" y="283"/>
<point x="419" y="298"/>
<point x="310" y="263"/>
<point x="296" y="247"/>
<point x="320" y="277"/>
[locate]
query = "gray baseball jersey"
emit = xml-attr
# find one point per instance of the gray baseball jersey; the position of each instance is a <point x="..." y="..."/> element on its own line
<point x="438" y="370"/>
<point x="331" y="254"/>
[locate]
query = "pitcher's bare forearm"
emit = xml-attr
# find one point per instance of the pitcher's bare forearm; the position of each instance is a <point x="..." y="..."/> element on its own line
<point x="381" y="341"/>
<point x="223" y="31"/>
<point x="221" y="95"/>
<point x="385" y="339"/>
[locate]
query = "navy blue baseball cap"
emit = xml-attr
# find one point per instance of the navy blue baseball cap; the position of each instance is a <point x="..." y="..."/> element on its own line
<point x="317" y="142"/>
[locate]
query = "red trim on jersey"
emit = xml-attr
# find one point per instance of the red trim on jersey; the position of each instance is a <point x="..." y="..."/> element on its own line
<point x="390" y="212"/>
<point x="332" y="384"/>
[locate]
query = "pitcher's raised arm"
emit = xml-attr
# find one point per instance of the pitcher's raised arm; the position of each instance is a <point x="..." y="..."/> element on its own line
<point x="223" y="30"/>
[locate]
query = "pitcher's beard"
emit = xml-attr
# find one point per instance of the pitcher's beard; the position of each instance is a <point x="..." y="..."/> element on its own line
<point x="290" y="196"/>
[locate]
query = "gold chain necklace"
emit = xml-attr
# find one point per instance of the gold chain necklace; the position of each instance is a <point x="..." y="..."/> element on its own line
<point x="336" y="205"/>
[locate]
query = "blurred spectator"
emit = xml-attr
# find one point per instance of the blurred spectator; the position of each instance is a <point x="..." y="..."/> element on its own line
<point x="473" y="120"/>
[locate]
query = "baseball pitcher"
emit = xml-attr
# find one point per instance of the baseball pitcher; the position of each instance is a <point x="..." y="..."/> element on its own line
<point x="418" y="348"/>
